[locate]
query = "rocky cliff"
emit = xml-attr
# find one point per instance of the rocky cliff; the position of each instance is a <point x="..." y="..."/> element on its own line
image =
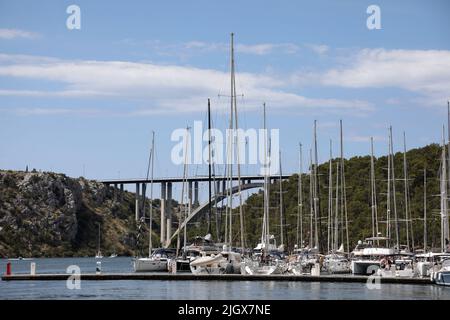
<point x="49" y="214"/>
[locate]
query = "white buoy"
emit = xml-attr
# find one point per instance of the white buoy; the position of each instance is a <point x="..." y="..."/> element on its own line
<point x="33" y="268"/>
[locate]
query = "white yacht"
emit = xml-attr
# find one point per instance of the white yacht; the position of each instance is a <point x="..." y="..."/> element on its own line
<point x="156" y="262"/>
<point x="367" y="256"/>
<point x="225" y="262"/>
<point x="426" y="263"/>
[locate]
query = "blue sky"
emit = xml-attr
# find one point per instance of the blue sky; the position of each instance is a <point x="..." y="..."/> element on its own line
<point x="89" y="98"/>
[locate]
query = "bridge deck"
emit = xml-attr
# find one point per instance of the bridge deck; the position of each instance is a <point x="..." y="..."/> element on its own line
<point x="194" y="178"/>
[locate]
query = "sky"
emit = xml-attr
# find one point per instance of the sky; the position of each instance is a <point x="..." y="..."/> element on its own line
<point x="85" y="101"/>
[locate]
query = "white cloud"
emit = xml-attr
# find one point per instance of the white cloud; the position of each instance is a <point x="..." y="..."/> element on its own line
<point x="16" y="33"/>
<point x="425" y="72"/>
<point x="168" y="88"/>
<point x="318" y="48"/>
<point x="54" y="111"/>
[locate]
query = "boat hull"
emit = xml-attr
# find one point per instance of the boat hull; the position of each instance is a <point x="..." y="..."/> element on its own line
<point x="150" y="265"/>
<point x="364" y="267"/>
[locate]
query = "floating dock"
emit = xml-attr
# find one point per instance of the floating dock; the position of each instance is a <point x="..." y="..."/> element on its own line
<point x="215" y="277"/>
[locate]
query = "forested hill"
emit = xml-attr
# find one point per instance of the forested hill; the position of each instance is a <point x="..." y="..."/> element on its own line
<point x="357" y="176"/>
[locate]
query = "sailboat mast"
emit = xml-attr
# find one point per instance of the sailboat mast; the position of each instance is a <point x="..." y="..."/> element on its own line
<point x="424" y="210"/>
<point x="150" y="223"/>
<point x="265" y="229"/>
<point x="209" y="167"/>
<point x="183" y="200"/>
<point x="448" y="136"/>
<point x="374" y="192"/>
<point x="336" y="213"/>
<point x="281" y="205"/>
<point x="316" y="191"/>
<point x="397" y="231"/>
<point x="372" y="178"/>
<point x="300" y="201"/>
<point x="330" y="198"/>
<point x="311" y="196"/>
<point x="388" y="197"/>
<point x="444" y="217"/>
<point x="406" y="190"/>
<point x="230" y="150"/>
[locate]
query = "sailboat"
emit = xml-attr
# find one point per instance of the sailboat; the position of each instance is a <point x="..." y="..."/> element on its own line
<point x="336" y="261"/>
<point x="157" y="260"/>
<point x="374" y="252"/>
<point x="99" y="253"/>
<point x="227" y="261"/>
<point x="266" y="259"/>
<point x="439" y="268"/>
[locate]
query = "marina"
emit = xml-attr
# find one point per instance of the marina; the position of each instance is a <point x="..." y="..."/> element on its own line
<point x="175" y="152"/>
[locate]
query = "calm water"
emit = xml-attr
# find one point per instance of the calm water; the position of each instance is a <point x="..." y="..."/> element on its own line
<point x="125" y="289"/>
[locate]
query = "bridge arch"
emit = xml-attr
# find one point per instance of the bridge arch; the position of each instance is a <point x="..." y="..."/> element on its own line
<point x="202" y="208"/>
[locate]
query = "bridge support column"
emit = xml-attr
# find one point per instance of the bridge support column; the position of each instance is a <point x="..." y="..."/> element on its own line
<point x="137" y="206"/>
<point x="115" y="192"/>
<point x="169" y="211"/>
<point x="190" y="192"/>
<point x="143" y="204"/>
<point x="224" y="186"/>
<point x="196" y="203"/>
<point x="121" y="192"/>
<point x="217" y="187"/>
<point x="163" y="213"/>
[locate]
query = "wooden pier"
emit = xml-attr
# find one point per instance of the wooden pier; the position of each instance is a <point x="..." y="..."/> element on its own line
<point x="221" y="277"/>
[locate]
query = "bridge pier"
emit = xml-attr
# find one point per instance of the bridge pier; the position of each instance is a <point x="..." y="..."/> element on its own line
<point x="190" y="193"/>
<point x="136" y="208"/>
<point x="163" y="213"/>
<point x="217" y="187"/>
<point x="115" y="192"/>
<point x="121" y="192"/>
<point x="144" y="189"/>
<point x="196" y="203"/>
<point x="169" y="211"/>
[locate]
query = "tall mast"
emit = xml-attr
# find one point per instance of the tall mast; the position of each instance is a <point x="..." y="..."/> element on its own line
<point x="265" y="228"/>
<point x="372" y="186"/>
<point x="424" y="210"/>
<point x="388" y="197"/>
<point x="336" y="213"/>
<point x="281" y="206"/>
<point x="311" y="196"/>
<point x="228" y="230"/>
<point x="150" y="226"/>
<point x="330" y="198"/>
<point x="209" y="167"/>
<point x="397" y="231"/>
<point x="406" y="190"/>
<point x="316" y="189"/>
<point x="344" y="192"/>
<point x="233" y="98"/>
<point x="300" y="201"/>
<point x="183" y="200"/>
<point x="444" y="212"/>
<point x="448" y="132"/>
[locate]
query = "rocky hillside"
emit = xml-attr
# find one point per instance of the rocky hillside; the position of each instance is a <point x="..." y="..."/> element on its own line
<point x="49" y="214"/>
